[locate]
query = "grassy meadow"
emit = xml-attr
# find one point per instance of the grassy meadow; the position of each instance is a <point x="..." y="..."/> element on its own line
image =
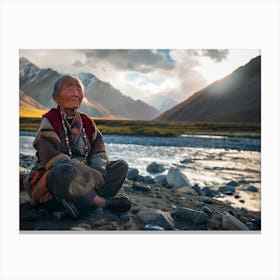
<point x="160" y="128"/>
<point x="30" y="112"/>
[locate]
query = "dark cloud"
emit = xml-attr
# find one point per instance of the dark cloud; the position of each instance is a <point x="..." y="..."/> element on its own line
<point x="96" y="53"/>
<point x="216" y="55"/>
<point x="144" y="60"/>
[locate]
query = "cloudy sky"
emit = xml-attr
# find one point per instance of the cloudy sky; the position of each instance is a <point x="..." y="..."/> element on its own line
<point x="146" y="74"/>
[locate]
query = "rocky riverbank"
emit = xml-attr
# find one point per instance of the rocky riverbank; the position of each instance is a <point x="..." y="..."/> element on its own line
<point x="159" y="203"/>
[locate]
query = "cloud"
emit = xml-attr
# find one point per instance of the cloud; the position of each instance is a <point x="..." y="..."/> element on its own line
<point x="141" y="73"/>
<point x="216" y="55"/>
<point x="178" y="82"/>
<point x="189" y="79"/>
<point x="143" y="60"/>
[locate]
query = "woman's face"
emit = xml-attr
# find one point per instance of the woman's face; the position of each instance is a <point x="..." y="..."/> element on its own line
<point x="70" y="95"/>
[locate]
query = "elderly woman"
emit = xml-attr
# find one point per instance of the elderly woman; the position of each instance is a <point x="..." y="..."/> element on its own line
<point x="73" y="168"/>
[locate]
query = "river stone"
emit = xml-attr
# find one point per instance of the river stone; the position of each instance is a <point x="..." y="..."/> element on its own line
<point x="124" y="218"/>
<point x="140" y="187"/>
<point x="155" y="167"/>
<point x="176" y="179"/>
<point x="207" y="199"/>
<point x="23" y="171"/>
<point x="132" y="174"/>
<point x="188" y="214"/>
<point x="152" y="227"/>
<point x="161" y="181"/>
<point x="78" y="228"/>
<point x="26" y="160"/>
<point x="128" y="226"/>
<point x="229" y="190"/>
<point x="197" y="189"/>
<point x="207" y="210"/>
<point x="140" y="178"/>
<point x="229" y="222"/>
<point x="232" y="183"/>
<point x="207" y="191"/>
<point x="187" y="190"/>
<point x="149" y="180"/>
<point x="156" y="217"/>
<point x="186" y="161"/>
<point x="251" y="189"/>
<point x="251" y="225"/>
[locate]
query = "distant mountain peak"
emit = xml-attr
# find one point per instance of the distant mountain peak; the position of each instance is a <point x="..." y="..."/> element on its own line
<point x="87" y="79"/>
<point x="24" y="60"/>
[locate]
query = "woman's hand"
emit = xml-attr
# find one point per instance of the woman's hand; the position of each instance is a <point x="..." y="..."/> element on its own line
<point x="99" y="162"/>
<point x="85" y="179"/>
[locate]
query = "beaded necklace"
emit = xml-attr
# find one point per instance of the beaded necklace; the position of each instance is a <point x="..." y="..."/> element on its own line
<point x="67" y="140"/>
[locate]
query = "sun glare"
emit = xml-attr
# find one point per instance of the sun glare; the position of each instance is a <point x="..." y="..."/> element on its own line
<point x="213" y="71"/>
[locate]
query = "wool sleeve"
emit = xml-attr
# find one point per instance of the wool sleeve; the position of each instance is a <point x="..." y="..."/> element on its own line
<point x="48" y="145"/>
<point x="98" y="156"/>
<point x="99" y="162"/>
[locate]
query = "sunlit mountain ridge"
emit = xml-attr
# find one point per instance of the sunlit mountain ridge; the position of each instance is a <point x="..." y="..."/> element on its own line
<point x="234" y="98"/>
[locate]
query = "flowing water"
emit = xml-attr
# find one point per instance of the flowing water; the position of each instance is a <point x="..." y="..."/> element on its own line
<point x="206" y="160"/>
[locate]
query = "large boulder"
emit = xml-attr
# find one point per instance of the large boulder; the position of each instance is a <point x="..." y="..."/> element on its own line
<point x="231" y="223"/>
<point x="188" y="214"/>
<point x="176" y="179"/>
<point x="156" y="217"/>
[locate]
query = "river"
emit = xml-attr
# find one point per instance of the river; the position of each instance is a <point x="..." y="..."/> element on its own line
<point x="206" y="160"/>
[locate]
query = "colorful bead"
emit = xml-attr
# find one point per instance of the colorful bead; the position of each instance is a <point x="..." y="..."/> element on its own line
<point x="67" y="138"/>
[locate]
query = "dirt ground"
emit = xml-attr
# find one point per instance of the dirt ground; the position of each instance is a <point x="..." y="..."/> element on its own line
<point x="164" y="199"/>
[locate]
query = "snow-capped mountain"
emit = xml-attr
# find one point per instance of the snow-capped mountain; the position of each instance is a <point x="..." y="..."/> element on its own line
<point x="87" y="79"/>
<point x="114" y="101"/>
<point x="30" y="73"/>
<point x="37" y="83"/>
<point x="101" y="99"/>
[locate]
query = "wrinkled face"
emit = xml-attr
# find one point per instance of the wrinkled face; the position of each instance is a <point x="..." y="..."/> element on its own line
<point x="70" y="95"/>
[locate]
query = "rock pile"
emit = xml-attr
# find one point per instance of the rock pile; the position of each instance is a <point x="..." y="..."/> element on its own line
<point x="163" y="202"/>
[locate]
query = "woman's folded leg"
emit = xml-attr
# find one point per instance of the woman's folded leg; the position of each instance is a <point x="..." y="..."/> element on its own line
<point x="116" y="174"/>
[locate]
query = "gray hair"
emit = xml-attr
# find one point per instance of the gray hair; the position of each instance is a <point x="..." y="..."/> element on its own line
<point x="58" y="84"/>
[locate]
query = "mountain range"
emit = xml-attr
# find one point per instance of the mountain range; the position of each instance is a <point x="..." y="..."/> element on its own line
<point x="234" y="98"/>
<point x="101" y="98"/>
